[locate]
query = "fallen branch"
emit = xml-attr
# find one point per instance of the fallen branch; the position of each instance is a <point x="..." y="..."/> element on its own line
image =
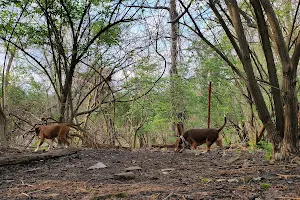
<point x="12" y="160"/>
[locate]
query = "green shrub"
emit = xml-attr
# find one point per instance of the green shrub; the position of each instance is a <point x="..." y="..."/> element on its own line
<point x="266" y="146"/>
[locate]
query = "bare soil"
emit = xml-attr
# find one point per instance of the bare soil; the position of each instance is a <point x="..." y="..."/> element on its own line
<point x="235" y="174"/>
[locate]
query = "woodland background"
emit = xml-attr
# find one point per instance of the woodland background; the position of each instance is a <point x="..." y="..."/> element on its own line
<point x="127" y="70"/>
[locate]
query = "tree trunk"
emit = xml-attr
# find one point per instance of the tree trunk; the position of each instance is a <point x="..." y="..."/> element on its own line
<point x="142" y="141"/>
<point x="176" y="93"/>
<point x="136" y="134"/>
<point x="65" y="95"/>
<point x="3" y="136"/>
<point x="260" y="134"/>
<point x="289" y="145"/>
<point x="7" y="74"/>
<point x="111" y="131"/>
<point x="174" y="37"/>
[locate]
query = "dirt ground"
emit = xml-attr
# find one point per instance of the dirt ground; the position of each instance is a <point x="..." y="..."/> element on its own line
<point x="158" y="174"/>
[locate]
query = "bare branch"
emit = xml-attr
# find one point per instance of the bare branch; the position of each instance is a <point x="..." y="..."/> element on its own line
<point x="70" y="20"/>
<point x="296" y="54"/>
<point x="249" y="21"/>
<point x="82" y="18"/>
<point x="100" y="33"/>
<point x="198" y="32"/>
<point x="293" y="26"/>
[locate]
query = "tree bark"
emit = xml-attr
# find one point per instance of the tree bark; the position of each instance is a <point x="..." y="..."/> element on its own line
<point x="3" y="136"/>
<point x="176" y="102"/>
<point x="174" y="37"/>
<point x="7" y="73"/>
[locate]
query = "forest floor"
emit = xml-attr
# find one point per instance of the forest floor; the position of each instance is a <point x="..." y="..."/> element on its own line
<point x="153" y="174"/>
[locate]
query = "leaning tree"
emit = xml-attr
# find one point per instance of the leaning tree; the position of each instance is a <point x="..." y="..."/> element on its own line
<point x="249" y="26"/>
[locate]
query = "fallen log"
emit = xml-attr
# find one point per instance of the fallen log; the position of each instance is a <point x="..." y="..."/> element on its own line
<point x="27" y="158"/>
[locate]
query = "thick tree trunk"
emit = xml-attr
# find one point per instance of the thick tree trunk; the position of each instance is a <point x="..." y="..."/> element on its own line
<point x="289" y="145"/>
<point x="62" y="109"/>
<point x="65" y="95"/>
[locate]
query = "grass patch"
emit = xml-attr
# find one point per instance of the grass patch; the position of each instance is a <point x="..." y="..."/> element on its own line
<point x="248" y="179"/>
<point x="205" y="180"/>
<point x="266" y="146"/>
<point x="265" y="185"/>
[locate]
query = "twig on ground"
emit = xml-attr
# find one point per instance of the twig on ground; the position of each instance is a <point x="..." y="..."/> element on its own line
<point x="25" y="184"/>
<point x="23" y="193"/>
<point x="171" y="194"/>
<point x="31" y="170"/>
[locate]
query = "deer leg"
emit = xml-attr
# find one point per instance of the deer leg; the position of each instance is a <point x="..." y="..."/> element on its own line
<point x="41" y="142"/>
<point x="208" y="144"/>
<point x="194" y="145"/>
<point x="64" y="139"/>
<point x="51" y="144"/>
<point x="219" y="142"/>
